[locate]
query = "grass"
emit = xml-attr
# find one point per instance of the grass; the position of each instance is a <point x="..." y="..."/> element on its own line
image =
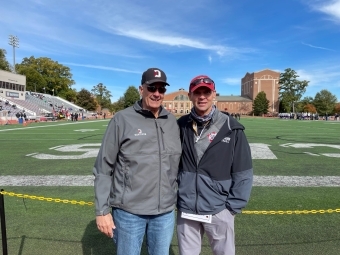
<point x="40" y="227"/>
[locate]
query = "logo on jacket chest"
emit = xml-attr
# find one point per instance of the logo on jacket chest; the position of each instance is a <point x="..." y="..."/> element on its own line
<point x="226" y="139"/>
<point x="211" y="136"/>
<point x="139" y="132"/>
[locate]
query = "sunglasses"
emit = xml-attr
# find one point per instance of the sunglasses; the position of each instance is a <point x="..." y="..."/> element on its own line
<point x="202" y="80"/>
<point x="152" y="89"/>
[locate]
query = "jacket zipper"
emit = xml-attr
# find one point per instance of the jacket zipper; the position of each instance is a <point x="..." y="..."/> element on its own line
<point x="162" y="137"/>
<point x="124" y="188"/>
<point x="197" y="163"/>
<point x="160" y="164"/>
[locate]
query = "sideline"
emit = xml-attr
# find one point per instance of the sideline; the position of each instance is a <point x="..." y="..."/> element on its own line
<point x="61" y="124"/>
<point x="87" y="180"/>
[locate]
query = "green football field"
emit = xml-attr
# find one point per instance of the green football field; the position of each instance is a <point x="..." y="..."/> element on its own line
<point x="294" y="206"/>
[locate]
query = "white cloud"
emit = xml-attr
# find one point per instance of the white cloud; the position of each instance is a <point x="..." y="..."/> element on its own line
<point x="316" y="47"/>
<point x="320" y="76"/>
<point x="104" y="68"/>
<point x="166" y="38"/>
<point x="331" y="8"/>
<point x="145" y="24"/>
<point x="232" y="81"/>
<point x="210" y="59"/>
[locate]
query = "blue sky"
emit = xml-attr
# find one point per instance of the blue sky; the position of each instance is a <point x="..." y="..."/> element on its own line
<point x="113" y="41"/>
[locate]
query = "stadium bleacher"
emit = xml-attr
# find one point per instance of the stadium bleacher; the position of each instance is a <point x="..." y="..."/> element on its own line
<point x="37" y="105"/>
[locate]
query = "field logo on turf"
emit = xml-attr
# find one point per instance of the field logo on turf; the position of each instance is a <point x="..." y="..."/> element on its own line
<point x="313" y="145"/>
<point x="90" y="150"/>
<point x="258" y="151"/>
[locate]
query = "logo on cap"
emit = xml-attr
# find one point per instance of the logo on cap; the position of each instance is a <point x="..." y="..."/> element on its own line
<point x="158" y="73"/>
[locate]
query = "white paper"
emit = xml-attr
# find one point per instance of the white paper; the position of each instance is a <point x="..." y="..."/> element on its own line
<point x="196" y="217"/>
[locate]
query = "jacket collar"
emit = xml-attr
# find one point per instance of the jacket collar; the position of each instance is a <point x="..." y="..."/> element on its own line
<point x="138" y="108"/>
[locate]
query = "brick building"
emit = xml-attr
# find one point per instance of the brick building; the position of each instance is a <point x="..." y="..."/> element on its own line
<point x="251" y="84"/>
<point x="265" y="80"/>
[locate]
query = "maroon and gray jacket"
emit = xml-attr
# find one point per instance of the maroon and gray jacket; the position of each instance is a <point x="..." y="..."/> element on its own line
<point x="216" y="170"/>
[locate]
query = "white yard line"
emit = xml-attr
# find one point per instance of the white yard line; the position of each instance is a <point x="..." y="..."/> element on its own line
<point x="59" y="124"/>
<point x="87" y="180"/>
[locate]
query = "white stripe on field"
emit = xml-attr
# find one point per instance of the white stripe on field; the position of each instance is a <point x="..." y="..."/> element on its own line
<point x="47" y="126"/>
<point x="87" y="180"/>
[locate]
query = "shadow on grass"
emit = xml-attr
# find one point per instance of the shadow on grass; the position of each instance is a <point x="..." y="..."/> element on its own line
<point x="96" y="243"/>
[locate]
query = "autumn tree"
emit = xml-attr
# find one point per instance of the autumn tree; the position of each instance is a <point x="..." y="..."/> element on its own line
<point x="290" y="88"/>
<point x="324" y="102"/>
<point x="86" y="100"/>
<point x="337" y="108"/>
<point x="4" y="64"/>
<point x="299" y="106"/>
<point x="261" y="104"/>
<point x="309" y="108"/>
<point x="131" y="95"/>
<point x="102" y="94"/>
<point x="55" y="76"/>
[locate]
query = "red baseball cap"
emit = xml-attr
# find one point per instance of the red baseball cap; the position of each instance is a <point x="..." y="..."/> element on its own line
<point x="201" y="81"/>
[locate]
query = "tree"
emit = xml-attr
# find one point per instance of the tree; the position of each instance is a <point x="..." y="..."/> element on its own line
<point x="117" y="106"/>
<point x="57" y="76"/>
<point x="34" y="80"/>
<point x="102" y="94"/>
<point x="261" y="104"/>
<point x="291" y="89"/>
<point x="70" y="95"/>
<point x="284" y="106"/>
<point x="131" y="95"/>
<point x="4" y="64"/>
<point x="324" y="102"/>
<point x="305" y="101"/>
<point x="337" y="108"/>
<point x="86" y="100"/>
<point x="309" y="108"/>
<point x="244" y="107"/>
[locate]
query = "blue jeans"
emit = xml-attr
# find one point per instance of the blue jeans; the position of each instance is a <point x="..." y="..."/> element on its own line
<point x="130" y="230"/>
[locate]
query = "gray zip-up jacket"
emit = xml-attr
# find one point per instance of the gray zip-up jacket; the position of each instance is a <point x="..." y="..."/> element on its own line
<point x="137" y="164"/>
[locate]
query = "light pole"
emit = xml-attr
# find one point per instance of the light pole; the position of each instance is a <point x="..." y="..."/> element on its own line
<point x="14" y="41"/>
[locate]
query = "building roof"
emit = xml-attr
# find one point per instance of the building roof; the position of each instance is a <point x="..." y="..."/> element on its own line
<point x="232" y="99"/>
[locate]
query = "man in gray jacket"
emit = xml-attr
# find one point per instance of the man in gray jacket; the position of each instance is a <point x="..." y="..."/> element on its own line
<point x="135" y="172"/>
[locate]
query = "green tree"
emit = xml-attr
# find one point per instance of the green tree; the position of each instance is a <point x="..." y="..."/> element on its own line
<point x="70" y="95"/>
<point x="284" y="106"/>
<point x="34" y="80"/>
<point x="4" y="64"/>
<point x="325" y="102"/>
<point x="291" y="89"/>
<point x="261" y="104"/>
<point x="131" y="95"/>
<point x="57" y="76"/>
<point x="117" y="106"/>
<point x="86" y="100"/>
<point x="102" y="94"/>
